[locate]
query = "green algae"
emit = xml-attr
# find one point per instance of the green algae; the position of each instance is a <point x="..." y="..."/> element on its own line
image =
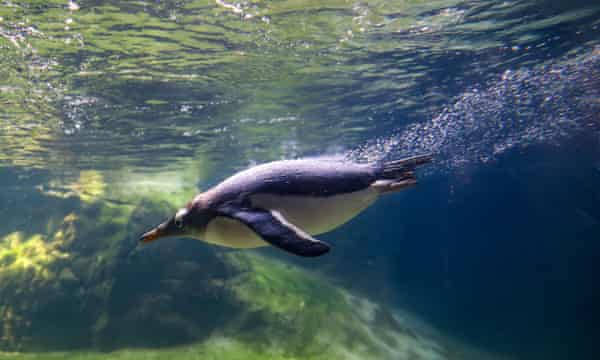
<point x="280" y="288"/>
<point x="34" y="256"/>
<point x="32" y="268"/>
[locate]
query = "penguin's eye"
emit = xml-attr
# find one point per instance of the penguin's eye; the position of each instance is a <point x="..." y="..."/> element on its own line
<point x="178" y="222"/>
<point x="179" y="218"/>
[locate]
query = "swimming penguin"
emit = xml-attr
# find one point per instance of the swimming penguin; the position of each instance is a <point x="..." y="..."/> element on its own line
<point x="283" y="203"/>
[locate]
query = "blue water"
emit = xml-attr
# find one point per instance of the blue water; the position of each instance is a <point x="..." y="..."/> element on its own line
<point x="114" y="114"/>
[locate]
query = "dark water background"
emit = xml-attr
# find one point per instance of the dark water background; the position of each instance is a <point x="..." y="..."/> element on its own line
<point x="498" y="245"/>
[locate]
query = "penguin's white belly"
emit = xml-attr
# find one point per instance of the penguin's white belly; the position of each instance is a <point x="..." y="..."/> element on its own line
<point x="315" y="215"/>
<point x="225" y="231"/>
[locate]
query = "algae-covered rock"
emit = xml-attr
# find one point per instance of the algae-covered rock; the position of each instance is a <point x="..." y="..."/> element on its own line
<point x="60" y="276"/>
<point x="89" y="186"/>
<point x="242" y="306"/>
<point x="28" y="268"/>
<point x="29" y="260"/>
<point x="301" y="314"/>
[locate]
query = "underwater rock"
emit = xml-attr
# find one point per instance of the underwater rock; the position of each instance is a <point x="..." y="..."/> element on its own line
<point x="285" y="308"/>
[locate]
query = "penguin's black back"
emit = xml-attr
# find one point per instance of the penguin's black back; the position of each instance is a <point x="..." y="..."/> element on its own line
<point x="307" y="177"/>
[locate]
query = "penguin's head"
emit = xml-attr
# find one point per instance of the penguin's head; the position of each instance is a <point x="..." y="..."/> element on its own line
<point x="189" y="221"/>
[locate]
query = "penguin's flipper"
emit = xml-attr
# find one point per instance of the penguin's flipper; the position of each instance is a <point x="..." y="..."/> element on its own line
<point x="273" y="228"/>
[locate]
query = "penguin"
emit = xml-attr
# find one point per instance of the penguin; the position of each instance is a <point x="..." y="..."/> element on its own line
<point x="283" y="203"/>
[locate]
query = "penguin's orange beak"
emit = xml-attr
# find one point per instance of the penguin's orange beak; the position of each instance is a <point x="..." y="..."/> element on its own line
<point x="151" y="235"/>
<point x="168" y="228"/>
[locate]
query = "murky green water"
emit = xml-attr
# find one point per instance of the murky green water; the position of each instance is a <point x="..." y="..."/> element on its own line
<point x="115" y="113"/>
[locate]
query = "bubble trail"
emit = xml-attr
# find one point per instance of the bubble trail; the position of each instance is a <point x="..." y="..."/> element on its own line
<point x="544" y="105"/>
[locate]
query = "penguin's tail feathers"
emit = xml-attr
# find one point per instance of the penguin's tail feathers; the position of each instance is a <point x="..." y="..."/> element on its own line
<point x="391" y="169"/>
<point x="397" y="175"/>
